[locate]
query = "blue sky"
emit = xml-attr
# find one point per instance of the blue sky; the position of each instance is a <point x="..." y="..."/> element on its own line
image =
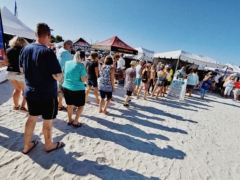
<point x="205" y="27"/>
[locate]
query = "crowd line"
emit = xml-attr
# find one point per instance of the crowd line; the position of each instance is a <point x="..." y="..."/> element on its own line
<point x="45" y="79"/>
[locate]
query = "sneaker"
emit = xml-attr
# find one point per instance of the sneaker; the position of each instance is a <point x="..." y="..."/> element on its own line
<point x="126" y="105"/>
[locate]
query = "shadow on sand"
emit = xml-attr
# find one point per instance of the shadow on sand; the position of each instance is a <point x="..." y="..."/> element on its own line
<point x="68" y="161"/>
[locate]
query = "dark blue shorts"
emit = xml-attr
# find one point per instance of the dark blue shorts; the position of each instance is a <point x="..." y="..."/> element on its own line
<point x="190" y="86"/>
<point x="93" y="82"/>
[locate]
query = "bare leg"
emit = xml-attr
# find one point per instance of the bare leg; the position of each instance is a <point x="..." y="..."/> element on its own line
<point x="101" y="105"/>
<point x="16" y="93"/>
<point x="22" y="86"/>
<point x="60" y="99"/>
<point x="153" y="92"/>
<point x="139" y="91"/>
<point x="47" y="131"/>
<point x="190" y="92"/>
<point x="70" y="112"/>
<point x="145" y="94"/>
<point x="96" y="94"/>
<point x="106" y="106"/>
<point x="159" y="91"/>
<point x="136" y="90"/>
<point x="87" y="92"/>
<point x="28" y="132"/>
<point x="127" y="99"/>
<point x="78" y="113"/>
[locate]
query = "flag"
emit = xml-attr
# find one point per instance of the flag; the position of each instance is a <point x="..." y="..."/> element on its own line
<point x="15" y="10"/>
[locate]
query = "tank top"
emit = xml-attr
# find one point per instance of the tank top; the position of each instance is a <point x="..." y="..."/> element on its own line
<point x="105" y="83"/>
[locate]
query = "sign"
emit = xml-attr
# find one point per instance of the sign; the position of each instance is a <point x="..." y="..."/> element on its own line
<point x="177" y="89"/>
<point x="1" y="39"/>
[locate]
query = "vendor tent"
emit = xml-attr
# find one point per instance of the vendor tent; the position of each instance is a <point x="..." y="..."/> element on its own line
<point x="81" y="44"/>
<point x="143" y="54"/>
<point x="13" y="26"/>
<point x="114" y="44"/>
<point x="191" y="58"/>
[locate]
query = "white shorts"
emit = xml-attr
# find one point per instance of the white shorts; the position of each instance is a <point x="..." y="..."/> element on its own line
<point x="237" y="92"/>
<point x="17" y="76"/>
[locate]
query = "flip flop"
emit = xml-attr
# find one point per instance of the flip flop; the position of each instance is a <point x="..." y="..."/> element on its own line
<point x="16" y="108"/>
<point x="23" y="109"/>
<point x="70" y="123"/>
<point x="62" y="108"/>
<point x="34" y="144"/>
<point x="57" y="147"/>
<point x="77" y="125"/>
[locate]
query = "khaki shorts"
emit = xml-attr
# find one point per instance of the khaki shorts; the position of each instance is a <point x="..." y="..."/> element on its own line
<point x="17" y="76"/>
<point x="237" y="92"/>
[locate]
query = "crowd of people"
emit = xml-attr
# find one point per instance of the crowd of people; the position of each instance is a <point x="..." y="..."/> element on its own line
<point x="44" y="78"/>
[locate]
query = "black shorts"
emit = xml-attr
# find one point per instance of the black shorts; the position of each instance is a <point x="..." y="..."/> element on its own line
<point x="93" y="82"/>
<point x="104" y="94"/>
<point x="48" y="109"/>
<point x="76" y="98"/>
<point x="168" y="83"/>
<point x="129" y="93"/>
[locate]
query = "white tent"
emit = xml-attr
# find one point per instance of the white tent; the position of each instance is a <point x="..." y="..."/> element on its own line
<point x="143" y="54"/>
<point x="13" y="26"/>
<point x="191" y="58"/>
<point x="232" y="68"/>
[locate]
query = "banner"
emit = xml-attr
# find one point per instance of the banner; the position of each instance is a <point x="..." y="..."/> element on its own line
<point x="177" y="89"/>
<point x="1" y="39"/>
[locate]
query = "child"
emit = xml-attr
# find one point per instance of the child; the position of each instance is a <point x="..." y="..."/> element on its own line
<point x="229" y="87"/>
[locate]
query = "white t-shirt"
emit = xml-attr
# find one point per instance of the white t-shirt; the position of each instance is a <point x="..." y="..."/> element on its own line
<point x="138" y="71"/>
<point x="121" y="63"/>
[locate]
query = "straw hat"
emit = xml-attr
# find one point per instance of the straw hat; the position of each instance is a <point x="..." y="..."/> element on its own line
<point x="133" y="63"/>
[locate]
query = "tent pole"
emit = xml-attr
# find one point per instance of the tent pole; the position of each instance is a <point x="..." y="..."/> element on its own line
<point x="177" y="63"/>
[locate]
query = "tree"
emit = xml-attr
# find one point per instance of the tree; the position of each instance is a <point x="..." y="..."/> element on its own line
<point x="56" y="39"/>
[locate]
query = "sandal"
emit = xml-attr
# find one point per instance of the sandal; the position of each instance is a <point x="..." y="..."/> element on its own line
<point x="34" y="144"/>
<point x="57" y="147"/>
<point x="16" y="108"/>
<point x="70" y="123"/>
<point x="23" y="109"/>
<point x="62" y="108"/>
<point x="77" y="125"/>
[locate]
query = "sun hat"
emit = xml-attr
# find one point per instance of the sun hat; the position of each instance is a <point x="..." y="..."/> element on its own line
<point x="134" y="63"/>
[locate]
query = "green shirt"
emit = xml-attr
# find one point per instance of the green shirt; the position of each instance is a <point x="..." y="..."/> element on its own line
<point x="72" y="76"/>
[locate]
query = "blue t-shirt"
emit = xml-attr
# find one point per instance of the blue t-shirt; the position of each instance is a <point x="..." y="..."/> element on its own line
<point x="72" y="76"/>
<point x="39" y="63"/>
<point x="63" y="56"/>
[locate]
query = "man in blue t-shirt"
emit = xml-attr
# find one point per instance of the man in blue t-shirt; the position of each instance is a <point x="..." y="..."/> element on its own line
<point x="42" y="71"/>
<point x="63" y="55"/>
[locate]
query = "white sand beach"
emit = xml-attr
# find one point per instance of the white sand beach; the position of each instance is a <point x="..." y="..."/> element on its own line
<point x="153" y="139"/>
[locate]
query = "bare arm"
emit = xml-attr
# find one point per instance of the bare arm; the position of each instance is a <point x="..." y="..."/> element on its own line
<point x="112" y="79"/>
<point x="5" y="60"/>
<point x="58" y="76"/>
<point x="206" y="78"/>
<point x="83" y="78"/>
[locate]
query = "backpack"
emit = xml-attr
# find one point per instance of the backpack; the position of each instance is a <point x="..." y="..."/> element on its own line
<point x="144" y="77"/>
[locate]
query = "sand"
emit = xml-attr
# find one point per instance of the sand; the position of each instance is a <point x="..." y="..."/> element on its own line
<point x="153" y="139"/>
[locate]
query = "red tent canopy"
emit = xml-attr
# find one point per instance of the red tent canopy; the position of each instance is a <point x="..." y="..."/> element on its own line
<point x="114" y="44"/>
<point x="81" y="44"/>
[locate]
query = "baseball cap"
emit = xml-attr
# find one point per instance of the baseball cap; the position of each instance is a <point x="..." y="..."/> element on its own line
<point x="69" y="42"/>
<point x="87" y="53"/>
<point x="169" y="65"/>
